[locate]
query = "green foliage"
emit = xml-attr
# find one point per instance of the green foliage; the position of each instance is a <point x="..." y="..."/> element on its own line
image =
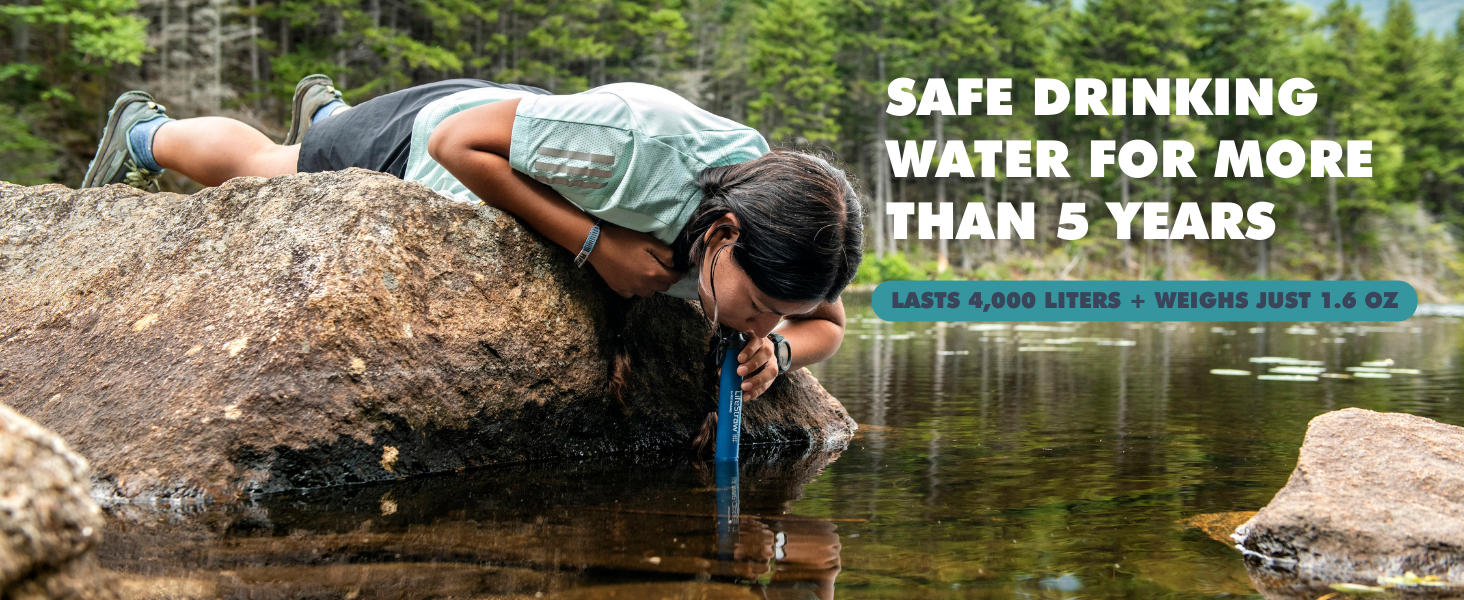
<point x="100" y="33"/>
<point x="24" y="158"/>
<point x="792" y="63"/>
<point x="890" y="267"/>
<point x="815" y="72"/>
<point x="50" y="94"/>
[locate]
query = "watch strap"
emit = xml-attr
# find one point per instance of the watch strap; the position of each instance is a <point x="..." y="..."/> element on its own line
<point x="584" y="253"/>
<point x="780" y="342"/>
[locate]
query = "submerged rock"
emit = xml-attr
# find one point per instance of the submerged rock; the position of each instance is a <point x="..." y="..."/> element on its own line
<point x="1219" y="526"/>
<point x="331" y="328"/>
<point x="1373" y="494"/>
<point x="49" y="526"/>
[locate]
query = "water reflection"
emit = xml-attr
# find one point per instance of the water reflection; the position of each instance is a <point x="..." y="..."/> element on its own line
<point x="532" y="529"/>
<point x="1057" y="460"/>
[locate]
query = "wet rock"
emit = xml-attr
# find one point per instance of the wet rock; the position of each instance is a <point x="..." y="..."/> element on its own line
<point x="49" y="526"/>
<point x="332" y="328"/>
<point x="1372" y="494"/>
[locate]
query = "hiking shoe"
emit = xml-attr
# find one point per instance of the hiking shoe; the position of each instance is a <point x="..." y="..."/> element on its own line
<point x="311" y="94"/>
<point x="114" y="162"/>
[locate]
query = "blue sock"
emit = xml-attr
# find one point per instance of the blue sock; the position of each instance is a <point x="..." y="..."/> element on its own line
<point x="324" y="111"/>
<point x="139" y="142"/>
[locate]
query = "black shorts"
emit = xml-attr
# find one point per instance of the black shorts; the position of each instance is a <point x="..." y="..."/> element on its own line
<point x="377" y="134"/>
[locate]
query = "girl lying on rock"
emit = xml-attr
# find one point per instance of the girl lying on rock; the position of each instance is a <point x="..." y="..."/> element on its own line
<point x="656" y="194"/>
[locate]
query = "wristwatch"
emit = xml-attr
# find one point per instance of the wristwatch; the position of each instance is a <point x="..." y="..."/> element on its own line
<point x="781" y="351"/>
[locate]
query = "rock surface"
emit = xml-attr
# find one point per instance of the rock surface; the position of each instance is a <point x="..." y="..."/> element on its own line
<point x="331" y="328"/>
<point x="49" y="526"/>
<point x="1372" y="494"/>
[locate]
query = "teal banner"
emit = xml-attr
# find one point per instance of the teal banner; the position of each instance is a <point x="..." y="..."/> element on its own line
<point x="1144" y="301"/>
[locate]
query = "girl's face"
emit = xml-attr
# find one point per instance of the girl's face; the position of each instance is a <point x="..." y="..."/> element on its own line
<point x="738" y="303"/>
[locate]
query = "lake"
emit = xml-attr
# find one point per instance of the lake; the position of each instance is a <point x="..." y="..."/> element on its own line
<point x="1022" y="460"/>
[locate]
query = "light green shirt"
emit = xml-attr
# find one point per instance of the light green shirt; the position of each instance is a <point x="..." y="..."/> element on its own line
<point x="628" y="153"/>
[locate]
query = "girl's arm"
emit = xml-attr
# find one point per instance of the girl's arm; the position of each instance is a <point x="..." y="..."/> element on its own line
<point x="812" y="338"/>
<point x="473" y="145"/>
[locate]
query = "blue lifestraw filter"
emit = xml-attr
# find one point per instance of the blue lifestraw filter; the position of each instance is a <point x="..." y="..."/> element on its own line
<point x="729" y="401"/>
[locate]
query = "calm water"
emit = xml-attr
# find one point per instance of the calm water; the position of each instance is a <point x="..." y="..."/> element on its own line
<point x="995" y="461"/>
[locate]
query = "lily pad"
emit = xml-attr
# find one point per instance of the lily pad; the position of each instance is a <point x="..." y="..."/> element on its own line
<point x="1294" y="370"/>
<point x="1232" y="372"/>
<point x="1411" y="579"/>
<point x="1047" y="328"/>
<point x="1367" y="375"/>
<point x="1357" y="588"/>
<point x="1282" y="360"/>
<point x="1287" y="377"/>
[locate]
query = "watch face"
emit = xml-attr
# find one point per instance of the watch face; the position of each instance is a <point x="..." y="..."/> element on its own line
<point x="784" y="354"/>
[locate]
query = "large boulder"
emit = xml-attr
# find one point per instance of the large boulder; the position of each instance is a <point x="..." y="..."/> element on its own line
<point x="1372" y="494"/>
<point x="49" y="526"/>
<point x="331" y="328"/>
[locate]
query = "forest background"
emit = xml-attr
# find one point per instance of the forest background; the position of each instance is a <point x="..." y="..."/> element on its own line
<point x="812" y="74"/>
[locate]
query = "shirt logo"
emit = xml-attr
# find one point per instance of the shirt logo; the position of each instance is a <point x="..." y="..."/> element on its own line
<point x="594" y="158"/>
<point x="549" y="167"/>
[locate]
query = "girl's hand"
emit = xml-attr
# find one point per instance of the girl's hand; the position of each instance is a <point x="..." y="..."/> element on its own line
<point x="633" y="263"/>
<point x="758" y="367"/>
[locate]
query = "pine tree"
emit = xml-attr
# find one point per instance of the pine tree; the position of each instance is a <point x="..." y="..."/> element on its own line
<point x="1342" y="63"/>
<point x="62" y="54"/>
<point x="1414" y="74"/>
<point x="792" y="64"/>
<point x="1148" y="39"/>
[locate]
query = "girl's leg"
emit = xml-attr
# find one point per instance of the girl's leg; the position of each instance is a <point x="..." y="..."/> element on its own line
<point x="212" y="150"/>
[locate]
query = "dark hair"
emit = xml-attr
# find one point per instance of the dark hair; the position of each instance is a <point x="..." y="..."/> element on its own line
<point x="801" y="238"/>
<point x="800" y="223"/>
